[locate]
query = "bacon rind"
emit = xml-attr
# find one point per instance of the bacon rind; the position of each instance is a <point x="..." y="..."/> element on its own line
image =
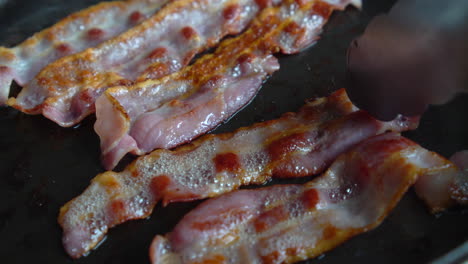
<point x="290" y="223"/>
<point x="65" y="91"/>
<point x="127" y="116"/>
<point x="72" y="34"/>
<point x="216" y="164"/>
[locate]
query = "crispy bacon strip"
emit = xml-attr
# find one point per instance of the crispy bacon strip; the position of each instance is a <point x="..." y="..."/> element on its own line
<point x="290" y="223"/>
<point x="65" y="91"/>
<point x="295" y="145"/>
<point x="73" y="34"/>
<point x="146" y="116"/>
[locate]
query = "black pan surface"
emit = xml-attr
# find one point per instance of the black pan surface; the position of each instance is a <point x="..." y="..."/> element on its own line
<point x="42" y="166"/>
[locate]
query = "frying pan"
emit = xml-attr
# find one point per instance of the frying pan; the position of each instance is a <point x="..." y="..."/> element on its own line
<point x="42" y="166"/>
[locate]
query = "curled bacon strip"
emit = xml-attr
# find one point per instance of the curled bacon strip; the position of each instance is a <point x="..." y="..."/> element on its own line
<point x="73" y="34"/>
<point x="290" y="223"/>
<point x="160" y="114"/>
<point x="65" y="91"/>
<point x="295" y="145"/>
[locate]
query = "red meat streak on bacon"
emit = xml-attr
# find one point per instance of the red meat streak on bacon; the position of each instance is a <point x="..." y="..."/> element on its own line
<point x="64" y="49"/>
<point x="227" y="162"/>
<point x="232" y="11"/>
<point x="136" y="17"/>
<point x="96" y="34"/>
<point x="217" y="164"/>
<point x="290" y="223"/>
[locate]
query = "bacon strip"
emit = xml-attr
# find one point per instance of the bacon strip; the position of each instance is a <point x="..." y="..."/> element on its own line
<point x="65" y="91"/>
<point x="168" y="112"/>
<point x="73" y="34"/>
<point x="295" y="145"/>
<point x="433" y="188"/>
<point x="290" y="223"/>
